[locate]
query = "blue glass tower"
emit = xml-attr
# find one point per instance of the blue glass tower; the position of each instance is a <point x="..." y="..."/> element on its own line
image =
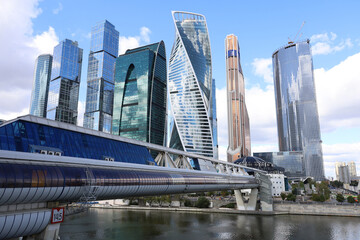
<point x="100" y="79"/>
<point x="191" y="87"/>
<point x="296" y="107"/>
<point x="140" y="94"/>
<point x="40" y="91"/>
<point x="65" y="82"/>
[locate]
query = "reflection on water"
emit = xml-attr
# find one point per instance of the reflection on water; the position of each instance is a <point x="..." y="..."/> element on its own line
<point x="125" y="224"/>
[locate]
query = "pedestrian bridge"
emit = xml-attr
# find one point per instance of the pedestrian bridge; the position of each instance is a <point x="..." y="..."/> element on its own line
<point x="45" y="164"/>
<point x="31" y="184"/>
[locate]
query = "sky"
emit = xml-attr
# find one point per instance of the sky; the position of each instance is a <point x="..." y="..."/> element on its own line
<point x="29" y="28"/>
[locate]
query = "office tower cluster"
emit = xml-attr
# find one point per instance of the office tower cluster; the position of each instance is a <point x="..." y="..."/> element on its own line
<point x="130" y="95"/>
<point x="127" y="95"/>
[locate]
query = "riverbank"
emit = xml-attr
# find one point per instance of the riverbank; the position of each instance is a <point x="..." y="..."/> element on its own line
<point x="279" y="209"/>
<point x="318" y="209"/>
<point x="187" y="209"/>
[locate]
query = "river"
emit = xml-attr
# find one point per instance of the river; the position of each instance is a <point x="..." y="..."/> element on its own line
<point x="146" y="224"/>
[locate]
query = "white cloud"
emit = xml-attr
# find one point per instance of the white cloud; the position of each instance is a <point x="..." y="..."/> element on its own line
<point x="345" y="152"/>
<point x="261" y="108"/>
<point x="19" y="48"/>
<point x="144" y="33"/>
<point x="45" y="42"/>
<point x="325" y="44"/>
<point x="222" y="153"/>
<point x="81" y="111"/>
<point x="338" y="94"/>
<point x="58" y="9"/>
<point x="263" y="68"/>
<point x="130" y="42"/>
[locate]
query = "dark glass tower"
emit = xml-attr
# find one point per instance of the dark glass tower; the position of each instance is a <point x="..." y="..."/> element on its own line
<point x="65" y="82"/>
<point x="191" y="87"/>
<point x="100" y="79"/>
<point x="40" y="91"/>
<point x="140" y="94"/>
<point x="296" y="107"/>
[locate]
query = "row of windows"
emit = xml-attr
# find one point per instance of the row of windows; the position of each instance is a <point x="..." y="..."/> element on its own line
<point x="19" y="135"/>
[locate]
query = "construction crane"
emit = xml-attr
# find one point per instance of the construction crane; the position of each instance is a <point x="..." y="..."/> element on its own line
<point x="292" y="41"/>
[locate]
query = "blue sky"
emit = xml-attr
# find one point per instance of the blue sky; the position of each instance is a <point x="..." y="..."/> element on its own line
<point x="30" y="27"/>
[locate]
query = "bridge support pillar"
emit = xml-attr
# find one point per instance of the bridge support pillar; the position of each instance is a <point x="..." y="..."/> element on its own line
<point x="250" y="205"/>
<point x="51" y="232"/>
<point x="266" y="200"/>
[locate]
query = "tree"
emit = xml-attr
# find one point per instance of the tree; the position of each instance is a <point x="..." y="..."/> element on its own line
<point x="323" y="189"/>
<point x="294" y="191"/>
<point x="224" y="193"/>
<point x="163" y="199"/>
<point x="318" y="197"/>
<point x="283" y="196"/>
<point x="187" y="203"/>
<point x="337" y="184"/>
<point x="202" y="202"/>
<point x="354" y="183"/>
<point x="340" y="197"/>
<point x="351" y="199"/>
<point x="291" y="197"/>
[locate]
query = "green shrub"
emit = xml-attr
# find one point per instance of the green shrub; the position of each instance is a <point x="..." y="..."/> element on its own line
<point x="202" y="202"/>
<point x="351" y="199"/>
<point x="291" y="197"/>
<point x="187" y="203"/>
<point x="318" y="198"/>
<point x="229" y="205"/>
<point x="283" y="196"/>
<point x="339" y="197"/>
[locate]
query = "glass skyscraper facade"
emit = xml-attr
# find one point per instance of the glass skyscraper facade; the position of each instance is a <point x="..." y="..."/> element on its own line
<point x="140" y="94"/>
<point x="40" y="91"/>
<point x="65" y="81"/>
<point x="292" y="162"/>
<point x="100" y="80"/>
<point x="190" y="86"/>
<point x="238" y="119"/>
<point x="296" y="107"/>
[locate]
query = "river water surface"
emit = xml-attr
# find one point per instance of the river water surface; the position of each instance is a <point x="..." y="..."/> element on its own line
<point x="146" y="224"/>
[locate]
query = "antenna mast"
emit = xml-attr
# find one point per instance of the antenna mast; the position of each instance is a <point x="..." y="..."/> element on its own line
<point x="292" y="41"/>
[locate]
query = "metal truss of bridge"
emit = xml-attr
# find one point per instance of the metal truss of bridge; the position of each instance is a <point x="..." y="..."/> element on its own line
<point x="44" y="162"/>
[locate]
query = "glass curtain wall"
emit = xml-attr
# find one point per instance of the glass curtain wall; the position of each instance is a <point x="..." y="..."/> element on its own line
<point x="190" y="86"/>
<point x="238" y="119"/>
<point x="65" y="82"/>
<point x="140" y="94"/>
<point x="296" y="107"/>
<point x="40" y="91"/>
<point x="100" y="79"/>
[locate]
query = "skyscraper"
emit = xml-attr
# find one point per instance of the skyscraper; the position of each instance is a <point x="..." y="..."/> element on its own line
<point x="352" y="169"/>
<point x="238" y="119"/>
<point x="140" y="94"/>
<point x="190" y="86"/>
<point x="65" y="82"/>
<point x="337" y="169"/>
<point x="296" y="108"/>
<point x="100" y="79"/>
<point x="40" y="91"/>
